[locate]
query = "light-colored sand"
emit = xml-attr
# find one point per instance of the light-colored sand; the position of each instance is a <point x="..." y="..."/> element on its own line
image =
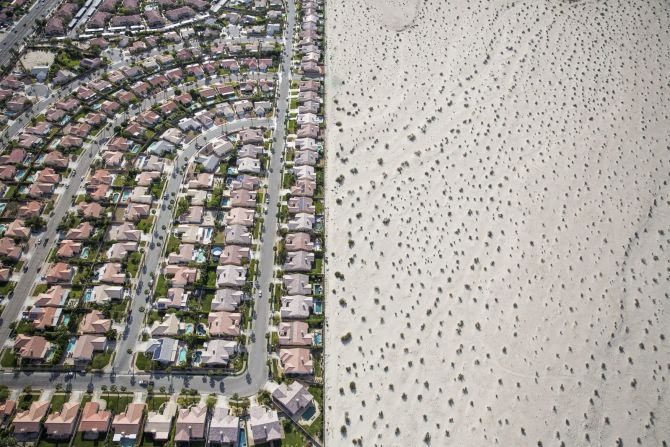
<point x="34" y="58"/>
<point x="506" y="274"/>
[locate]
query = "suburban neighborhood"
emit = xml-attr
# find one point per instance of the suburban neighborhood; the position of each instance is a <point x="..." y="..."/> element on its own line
<point x="161" y="225"/>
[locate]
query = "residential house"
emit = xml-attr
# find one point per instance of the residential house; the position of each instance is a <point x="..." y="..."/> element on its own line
<point x="111" y="273"/>
<point x="230" y="276"/>
<point x="95" y="323"/>
<point x="32" y="348"/>
<point x="119" y="251"/>
<point x="243" y="198"/>
<point x="159" y="423"/>
<point x="30" y="421"/>
<point x="224" y="324"/>
<point x="68" y="249"/>
<point x="296" y="306"/>
<point x="183" y="256"/>
<point x="94" y="421"/>
<point x="162" y="350"/>
<point x="105" y="293"/>
<point x="296" y="361"/>
<point x="237" y="235"/>
<point x="299" y="261"/>
<point x="301" y="222"/>
<point x="235" y="255"/>
<point x="60" y="424"/>
<point x="169" y="326"/>
<point x="217" y="352"/>
<point x="294" y="399"/>
<point x="264" y="425"/>
<point x="191" y="423"/>
<point x="227" y="300"/>
<point x="87" y="345"/>
<point x="223" y="428"/>
<point x="60" y="272"/>
<point x="298" y="242"/>
<point x="82" y="232"/>
<point x="294" y="333"/>
<point x="301" y="205"/>
<point x="176" y="299"/>
<point x="127" y="425"/>
<point x="297" y="284"/>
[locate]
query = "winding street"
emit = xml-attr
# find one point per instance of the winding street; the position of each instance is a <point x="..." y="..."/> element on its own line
<point x="256" y="374"/>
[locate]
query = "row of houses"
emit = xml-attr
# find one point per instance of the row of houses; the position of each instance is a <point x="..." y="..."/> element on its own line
<point x="173" y="419"/>
<point x="300" y="251"/>
<point x="215" y="202"/>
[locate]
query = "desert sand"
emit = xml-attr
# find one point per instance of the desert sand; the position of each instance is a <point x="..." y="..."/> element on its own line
<point x="498" y="223"/>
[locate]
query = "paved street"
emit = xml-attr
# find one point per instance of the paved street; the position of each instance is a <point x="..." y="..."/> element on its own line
<point x="24" y="28"/>
<point x="256" y="375"/>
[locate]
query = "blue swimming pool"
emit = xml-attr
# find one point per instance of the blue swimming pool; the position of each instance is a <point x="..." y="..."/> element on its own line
<point x="243" y="438"/>
<point x="317" y="339"/>
<point x="70" y="345"/>
<point x="318" y="289"/>
<point x="318" y="307"/>
<point x="66" y="319"/>
<point x="197" y="357"/>
<point x="216" y="251"/>
<point x="85" y="252"/>
<point x="188" y="329"/>
<point x="125" y="195"/>
<point x="309" y="413"/>
<point x="88" y="296"/>
<point x="182" y="355"/>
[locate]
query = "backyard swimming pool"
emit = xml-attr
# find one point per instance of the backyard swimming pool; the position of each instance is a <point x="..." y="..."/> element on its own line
<point x="318" y="307"/>
<point x="88" y="296"/>
<point x="85" y="252"/>
<point x="182" y="354"/>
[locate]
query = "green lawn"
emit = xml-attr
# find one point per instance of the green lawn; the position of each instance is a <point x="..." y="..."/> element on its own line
<point x="58" y="400"/>
<point x="161" y="287"/>
<point x="101" y="360"/>
<point x="8" y="359"/>
<point x="293" y="438"/>
<point x="316" y="428"/>
<point x="186" y="401"/>
<point x="26" y="399"/>
<point x="173" y="244"/>
<point x="134" y="263"/>
<point x="142" y="362"/>
<point x="146" y="224"/>
<point x="207" y="302"/>
<point x="154" y="402"/>
<point x="116" y="402"/>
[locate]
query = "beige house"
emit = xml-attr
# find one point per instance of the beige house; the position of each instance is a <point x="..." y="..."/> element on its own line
<point x="191" y="423"/>
<point x="127" y="424"/>
<point x="30" y="421"/>
<point x="60" y="424"/>
<point x="160" y="423"/>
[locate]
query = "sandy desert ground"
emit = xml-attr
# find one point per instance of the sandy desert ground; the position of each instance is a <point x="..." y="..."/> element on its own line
<point x="499" y="223"/>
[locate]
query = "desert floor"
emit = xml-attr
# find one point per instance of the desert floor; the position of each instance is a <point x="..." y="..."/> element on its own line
<point x="499" y="223"/>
